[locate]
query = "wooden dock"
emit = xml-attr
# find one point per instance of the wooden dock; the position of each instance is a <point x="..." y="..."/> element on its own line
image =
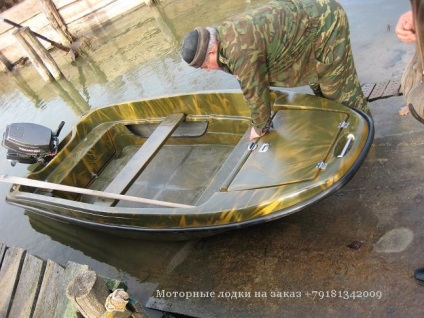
<point x="381" y="90"/>
<point x="33" y="287"/>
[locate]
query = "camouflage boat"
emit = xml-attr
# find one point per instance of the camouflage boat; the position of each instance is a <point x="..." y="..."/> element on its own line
<point x="183" y="166"/>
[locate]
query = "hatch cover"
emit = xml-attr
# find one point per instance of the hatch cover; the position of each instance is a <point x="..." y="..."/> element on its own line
<point x="300" y="140"/>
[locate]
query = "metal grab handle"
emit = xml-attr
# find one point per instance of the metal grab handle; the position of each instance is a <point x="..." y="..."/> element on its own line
<point x="349" y="140"/>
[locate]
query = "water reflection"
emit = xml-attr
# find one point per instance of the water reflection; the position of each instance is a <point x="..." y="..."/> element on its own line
<point x="23" y="86"/>
<point x="145" y="260"/>
<point x="70" y="95"/>
<point x="85" y="64"/>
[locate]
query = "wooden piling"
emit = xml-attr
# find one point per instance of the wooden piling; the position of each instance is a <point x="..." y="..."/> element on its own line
<point x="88" y="293"/>
<point x="6" y="62"/>
<point x="56" y="20"/>
<point x="34" y="58"/>
<point x="42" y="52"/>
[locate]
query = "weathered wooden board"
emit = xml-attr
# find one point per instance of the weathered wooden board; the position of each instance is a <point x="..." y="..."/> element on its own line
<point x="23" y="13"/>
<point x="392" y="88"/>
<point x="9" y="275"/>
<point x="33" y="287"/>
<point x="101" y="15"/>
<point x="381" y="90"/>
<point x="29" y="281"/>
<point x="367" y="89"/>
<point x="62" y="3"/>
<point x="50" y="290"/>
<point x="378" y="91"/>
<point x="2" y="251"/>
<point x="79" y="9"/>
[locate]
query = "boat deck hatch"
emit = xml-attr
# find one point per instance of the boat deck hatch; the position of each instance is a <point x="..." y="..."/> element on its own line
<point x="290" y="152"/>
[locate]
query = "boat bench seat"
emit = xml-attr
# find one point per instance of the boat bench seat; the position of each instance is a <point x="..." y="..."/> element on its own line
<point x="135" y="166"/>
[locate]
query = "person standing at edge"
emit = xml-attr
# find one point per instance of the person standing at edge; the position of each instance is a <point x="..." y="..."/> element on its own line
<point x="285" y="43"/>
<point x="413" y="75"/>
<point x="410" y="29"/>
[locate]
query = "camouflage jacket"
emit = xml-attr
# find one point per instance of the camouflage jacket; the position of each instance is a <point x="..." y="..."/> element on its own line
<point x="269" y="46"/>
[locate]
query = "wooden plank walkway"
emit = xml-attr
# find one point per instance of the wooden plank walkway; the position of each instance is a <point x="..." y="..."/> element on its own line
<point x="381" y="90"/>
<point x="33" y="287"/>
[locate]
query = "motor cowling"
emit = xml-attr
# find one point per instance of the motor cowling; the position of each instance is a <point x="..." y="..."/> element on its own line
<point x="30" y="143"/>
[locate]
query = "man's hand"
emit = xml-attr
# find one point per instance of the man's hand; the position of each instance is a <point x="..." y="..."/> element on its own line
<point x="405" y="30"/>
<point x="254" y="135"/>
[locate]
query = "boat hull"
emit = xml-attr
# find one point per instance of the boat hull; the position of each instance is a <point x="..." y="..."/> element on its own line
<point x="315" y="148"/>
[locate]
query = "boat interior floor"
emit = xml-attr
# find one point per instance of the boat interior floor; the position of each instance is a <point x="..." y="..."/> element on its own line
<point x="178" y="173"/>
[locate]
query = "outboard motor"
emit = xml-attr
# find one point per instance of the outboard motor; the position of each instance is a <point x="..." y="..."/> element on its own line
<point x="30" y="143"/>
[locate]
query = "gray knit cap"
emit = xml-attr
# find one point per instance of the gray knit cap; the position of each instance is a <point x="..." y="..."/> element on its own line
<point x="195" y="47"/>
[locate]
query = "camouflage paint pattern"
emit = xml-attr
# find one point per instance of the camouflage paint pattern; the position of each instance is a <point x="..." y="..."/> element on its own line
<point x="290" y="43"/>
<point x="248" y="187"/>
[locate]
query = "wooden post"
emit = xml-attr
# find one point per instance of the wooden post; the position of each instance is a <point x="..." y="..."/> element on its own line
<point x="88" y="292"/>
<point x="42" y="52"/>
<point x="34" y="58"/>
<point x="6" y="62"/>
<point x="56" y="20"/>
